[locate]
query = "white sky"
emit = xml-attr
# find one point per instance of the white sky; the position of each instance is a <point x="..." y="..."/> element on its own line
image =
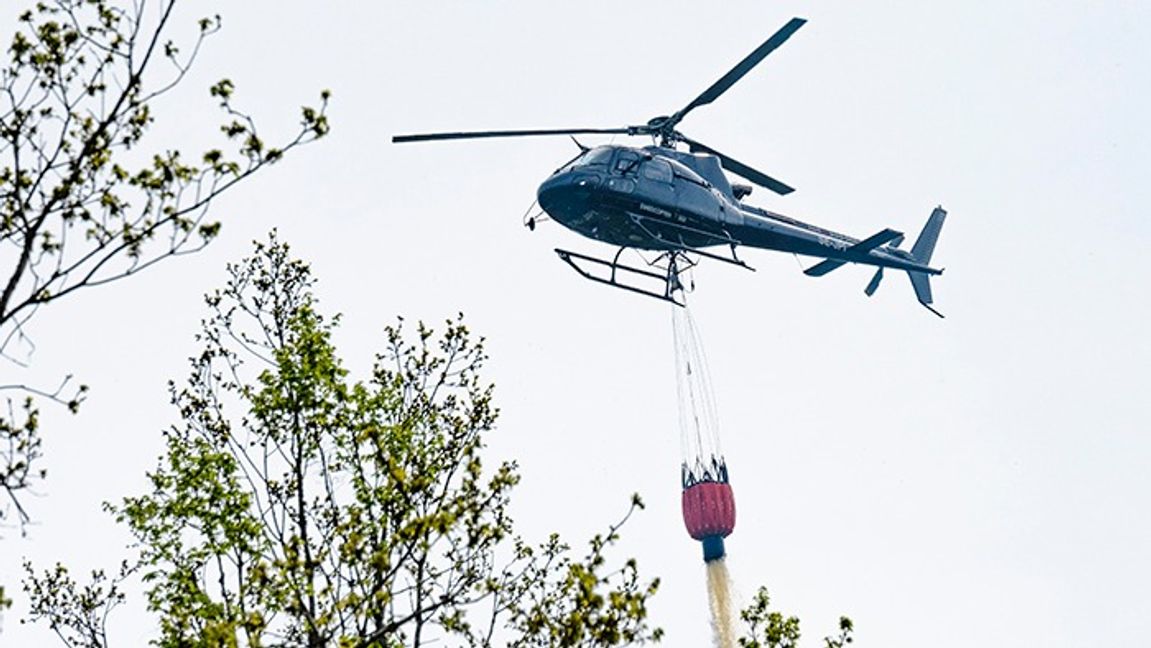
<point x="976" y="479"/>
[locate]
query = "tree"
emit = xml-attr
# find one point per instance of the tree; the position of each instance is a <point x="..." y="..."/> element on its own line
<point x="85" y="198"/>
<point x="296" y="507"/>
<point x="767" y="628"/>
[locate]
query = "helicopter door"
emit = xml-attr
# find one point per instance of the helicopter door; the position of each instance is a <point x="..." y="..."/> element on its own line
<point x="696" y="200"/>
<point x="657" y="183"/>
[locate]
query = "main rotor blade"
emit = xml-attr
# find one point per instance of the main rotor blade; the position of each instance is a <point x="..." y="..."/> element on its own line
<point x="739" y="168"/>
<point x="428" y="137"/>
<point x="744" y="66"/>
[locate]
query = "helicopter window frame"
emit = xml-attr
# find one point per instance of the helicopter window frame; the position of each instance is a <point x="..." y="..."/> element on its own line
<point x="658" y="170"/>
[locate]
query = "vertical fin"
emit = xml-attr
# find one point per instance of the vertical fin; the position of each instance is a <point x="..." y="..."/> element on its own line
<point x="925" y="244"/>
<point x="921" y="252"/>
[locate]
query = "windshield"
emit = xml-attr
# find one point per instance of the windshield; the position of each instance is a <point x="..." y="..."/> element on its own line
<point x="599" y="156"/>
<point x="596" y="156"/>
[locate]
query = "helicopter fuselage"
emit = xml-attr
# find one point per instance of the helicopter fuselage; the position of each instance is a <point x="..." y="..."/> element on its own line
<point x="657" y="198"/>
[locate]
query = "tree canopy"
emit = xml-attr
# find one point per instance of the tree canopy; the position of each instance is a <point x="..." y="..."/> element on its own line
<point x="87" y="196"/>
<point x="294" y="506"/>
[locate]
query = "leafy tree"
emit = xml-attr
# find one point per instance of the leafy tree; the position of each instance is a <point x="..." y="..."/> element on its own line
<point x="294" y="506"/>
<point x="86" y="196"/>
<point x="769" y="628"/>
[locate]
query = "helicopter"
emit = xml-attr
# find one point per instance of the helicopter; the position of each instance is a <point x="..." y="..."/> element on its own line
<point x="680" y="206"/>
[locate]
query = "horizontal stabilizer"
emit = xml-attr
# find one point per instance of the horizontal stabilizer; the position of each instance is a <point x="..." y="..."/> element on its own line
<point x="874" y="241"/>
<point x="823" y="267"/>
<point x="859" y="249"/>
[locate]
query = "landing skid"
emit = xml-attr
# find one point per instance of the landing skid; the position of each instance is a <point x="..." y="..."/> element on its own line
<point x="664" y="284"/>
<point x="660" y="280"/>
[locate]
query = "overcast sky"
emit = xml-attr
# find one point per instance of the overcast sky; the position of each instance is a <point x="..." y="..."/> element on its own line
<point x="981" y="478"/>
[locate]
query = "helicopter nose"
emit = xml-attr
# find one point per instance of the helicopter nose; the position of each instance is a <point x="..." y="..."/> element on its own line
<point x="567" y="195"/>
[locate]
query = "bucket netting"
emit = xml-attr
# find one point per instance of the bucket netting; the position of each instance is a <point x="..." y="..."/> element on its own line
<point x="698" y="423"/>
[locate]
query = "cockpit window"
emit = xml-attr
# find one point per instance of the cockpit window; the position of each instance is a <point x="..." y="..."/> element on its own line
<point x="657" y="170"/>
<point x="596" y="156"/>
<point x="601" y="155"/>
<point x="626" y="162"/>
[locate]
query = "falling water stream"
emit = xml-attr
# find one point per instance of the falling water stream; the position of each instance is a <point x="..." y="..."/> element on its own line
<point x="720" y="600"/>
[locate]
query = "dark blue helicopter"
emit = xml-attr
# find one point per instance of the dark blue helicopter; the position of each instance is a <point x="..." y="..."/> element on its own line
<point x="680" y="205"/>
